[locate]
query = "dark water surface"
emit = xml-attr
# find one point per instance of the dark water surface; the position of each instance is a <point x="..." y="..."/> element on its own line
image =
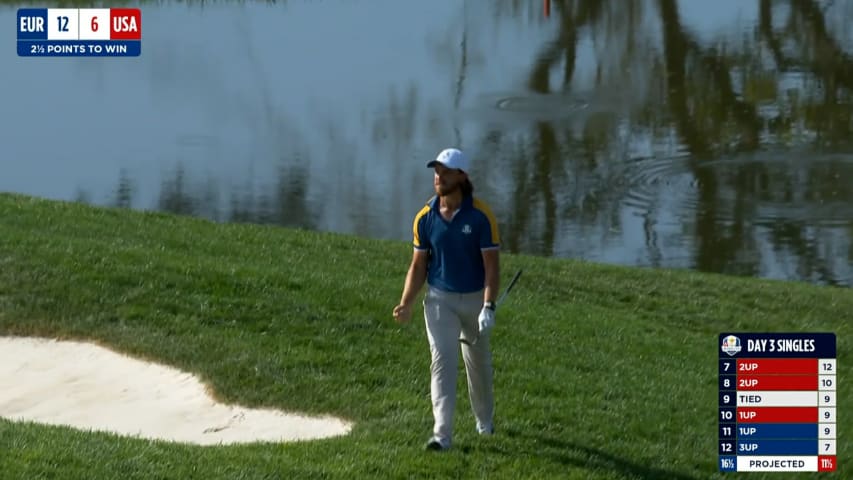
<point x="692" y="134"/>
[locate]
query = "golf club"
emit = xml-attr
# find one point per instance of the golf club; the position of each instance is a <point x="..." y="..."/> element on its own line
<point x="498" y="302"/>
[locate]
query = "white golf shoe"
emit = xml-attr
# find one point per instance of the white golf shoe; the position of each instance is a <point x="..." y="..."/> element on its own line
<point x="437" y="444"/>
<point x="485" y="429"/>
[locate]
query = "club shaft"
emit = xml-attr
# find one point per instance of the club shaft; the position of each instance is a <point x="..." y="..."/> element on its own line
<point x="509" y="287"/>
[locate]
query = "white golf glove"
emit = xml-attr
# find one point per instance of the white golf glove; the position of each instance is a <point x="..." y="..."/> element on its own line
<point x="486" y="320"/>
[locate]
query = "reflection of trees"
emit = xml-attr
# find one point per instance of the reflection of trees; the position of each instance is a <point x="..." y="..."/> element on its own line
<point x="827" y="60"/>
<point x="715" y="249"/>
<point x="399" y="125"/>
<point x="176" y="196"/>
<point x="812" y="49"/>
<point x="536" y="185"/>
<point x="565" y="45"/>
<point x="541" y="172"/>
<point x="291" y="199"/>
<point x="702" y="114"/>
<point x="719" y="248"/>
<point x="285" y="202"/>
<point x="283" y="198"/>
<point x="810" y="264"/>
<point x="124" y="191"/>
<point x="533" y="183"/>
<point x="82" y="196"/>
<point x="717" y="99"/>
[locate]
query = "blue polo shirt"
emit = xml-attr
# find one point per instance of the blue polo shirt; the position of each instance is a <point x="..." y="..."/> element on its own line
<point x="455" y="246"/>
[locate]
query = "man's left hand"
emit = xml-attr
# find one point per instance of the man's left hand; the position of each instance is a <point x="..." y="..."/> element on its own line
<point x="486" y="320"/>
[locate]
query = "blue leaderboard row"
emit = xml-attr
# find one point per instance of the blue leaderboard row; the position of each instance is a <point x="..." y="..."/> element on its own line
<point x="776" y="447"/>
<point x="79" y="48"/>
<point x="777" y="402"/>
<point x="810" y="431"/>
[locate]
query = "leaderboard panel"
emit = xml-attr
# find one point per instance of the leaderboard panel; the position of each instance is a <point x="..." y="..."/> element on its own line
<point x="79" y="32"/>
<point x="777" y="402"/>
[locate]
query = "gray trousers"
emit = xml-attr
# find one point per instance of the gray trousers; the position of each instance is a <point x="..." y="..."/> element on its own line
<point x="447" y="316"/>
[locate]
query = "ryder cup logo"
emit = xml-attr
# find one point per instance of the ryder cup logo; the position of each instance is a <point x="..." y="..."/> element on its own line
<point x="731" y="345"/>
<point x="466" y="229"/>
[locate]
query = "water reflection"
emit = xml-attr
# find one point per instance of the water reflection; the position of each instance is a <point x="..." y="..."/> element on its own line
<point x="658" y="133"/>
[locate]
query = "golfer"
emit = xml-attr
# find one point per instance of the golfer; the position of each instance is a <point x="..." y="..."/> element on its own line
<point x="456" y="251"/>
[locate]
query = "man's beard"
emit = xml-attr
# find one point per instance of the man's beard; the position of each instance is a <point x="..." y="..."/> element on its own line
<point x="447" y="189"/>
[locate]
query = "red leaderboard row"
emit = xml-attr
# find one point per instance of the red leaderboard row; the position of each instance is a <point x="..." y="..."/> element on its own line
<point x="777" y="382"/>
<point x="787" y="366"/>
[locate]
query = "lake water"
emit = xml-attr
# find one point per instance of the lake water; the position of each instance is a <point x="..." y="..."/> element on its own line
<point x="686" y="134"/>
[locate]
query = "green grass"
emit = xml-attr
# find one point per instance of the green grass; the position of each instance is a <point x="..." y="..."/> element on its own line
<point x="602" y="372"/>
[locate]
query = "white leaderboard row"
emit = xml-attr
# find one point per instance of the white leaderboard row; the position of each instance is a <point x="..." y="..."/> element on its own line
<point x="784" y="399"/>
<point x="782" y="464"/>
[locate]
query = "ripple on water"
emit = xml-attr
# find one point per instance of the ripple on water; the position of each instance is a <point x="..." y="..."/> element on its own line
<point x="503" y="107"/>
<point x="762" y="189"/>
<point x="649" y="177"/>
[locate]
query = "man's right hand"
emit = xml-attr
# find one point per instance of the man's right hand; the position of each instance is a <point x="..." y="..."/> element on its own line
<point x="403" y="313"/>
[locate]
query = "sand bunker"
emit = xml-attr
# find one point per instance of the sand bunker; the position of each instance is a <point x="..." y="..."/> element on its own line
<point x="92" y="388"/>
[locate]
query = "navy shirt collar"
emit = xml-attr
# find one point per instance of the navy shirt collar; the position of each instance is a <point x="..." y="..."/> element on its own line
<point x="467" y="202"/>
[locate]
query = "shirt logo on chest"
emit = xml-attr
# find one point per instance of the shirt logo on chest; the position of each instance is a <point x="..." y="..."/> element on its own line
<point x="466" y="229"/>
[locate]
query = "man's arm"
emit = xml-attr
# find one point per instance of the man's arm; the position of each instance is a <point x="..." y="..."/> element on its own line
<point x="416" y="276"/>
<point x="415" y="279"/>
<point x="491" y="263"/>
<point x="490" y="241"/>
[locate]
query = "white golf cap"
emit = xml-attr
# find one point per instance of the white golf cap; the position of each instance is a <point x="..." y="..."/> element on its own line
<point x="451" y="158"/>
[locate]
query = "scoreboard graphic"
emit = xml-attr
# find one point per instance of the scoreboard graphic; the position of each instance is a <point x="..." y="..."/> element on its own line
<point x="777" y="408"/>
<point x="79" y="32"/>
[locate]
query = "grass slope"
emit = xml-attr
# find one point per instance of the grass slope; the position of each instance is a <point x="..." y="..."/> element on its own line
<point x="602" y="372"/>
